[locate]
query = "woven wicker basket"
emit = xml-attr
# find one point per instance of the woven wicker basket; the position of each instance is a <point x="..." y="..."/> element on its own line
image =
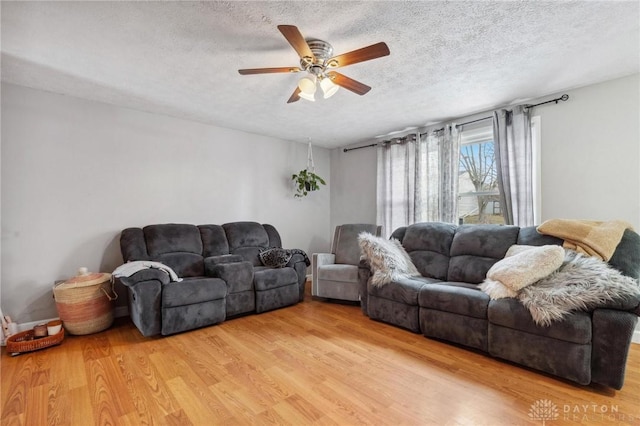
<point x="26" y="342"/>
<point x="85" y="303"/>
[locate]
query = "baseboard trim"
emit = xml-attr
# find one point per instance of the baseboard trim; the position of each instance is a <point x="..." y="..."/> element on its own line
<point x="636" y="336"/>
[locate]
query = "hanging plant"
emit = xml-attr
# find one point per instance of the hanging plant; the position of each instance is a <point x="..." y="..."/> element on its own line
<point x="307" y="180"/>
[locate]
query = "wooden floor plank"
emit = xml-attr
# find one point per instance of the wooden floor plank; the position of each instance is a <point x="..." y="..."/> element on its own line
<point x="315" y="363"/>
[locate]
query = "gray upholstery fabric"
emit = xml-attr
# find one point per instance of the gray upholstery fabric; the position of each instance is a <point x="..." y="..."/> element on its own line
<point x="564" y="359"/>
<point x="188" y="317"/>
<point x="625" y="258"/>
<point x="529" y="236"/>
<point x="461" y="329"/>
<point x="612" y="333"/>
<point x="217" y="283"/>
<point x="237" y="275"/>
<point x="241" y="303"/>
<point x="172" y="238"/>
<point x="192" y="290"/>
<point x="184" y="264"/>
<point x="393" y="312"/>
<point x="268" y="300"/>
<point x="512" y="314"/>
<point x="475" y="248"/>
<point x="339" y="273"/>
<point x="267" y="279"/>
<point x="345" y="241"/>
<point x="214" y="240"/>
<point x="335" y="274"/>
<point x="584" y="347"/>
<point x="132" y="245"/>
<point x="428" y="245"/>
<point x="245" y="234"/>
<point x="405" y="290"/>
<point x="454" y="299"/>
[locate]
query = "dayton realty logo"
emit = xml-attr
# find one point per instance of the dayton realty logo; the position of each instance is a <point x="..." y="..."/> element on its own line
<point x="543" y="410"/>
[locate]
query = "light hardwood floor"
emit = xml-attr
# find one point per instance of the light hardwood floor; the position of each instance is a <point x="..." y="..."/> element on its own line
<point x="313" y="363"/>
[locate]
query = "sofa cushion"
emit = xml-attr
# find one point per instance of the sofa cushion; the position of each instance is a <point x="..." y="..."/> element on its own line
<point x="172" y="238"/>
<point x="454" y="299"/>
<point x="345" y="242"/>
<point x="475" y="248"/>
<point x="184" y="264"/>
<point x="214" y="240"/>
<point x="404" y="290"/>
<point x="575" y="327"/>
<point x="193" y="290"/>
<point x="267" y="279"/>
<point x="428" y="245"/>
<point x="246" y="239"/>
<point x="335" y="272"/>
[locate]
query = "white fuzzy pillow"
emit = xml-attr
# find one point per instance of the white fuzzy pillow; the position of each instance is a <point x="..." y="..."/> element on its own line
<point x="388" y="259"/>
<point x="522" y="266"/>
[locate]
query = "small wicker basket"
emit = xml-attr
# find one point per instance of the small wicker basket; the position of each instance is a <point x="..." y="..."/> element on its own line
<point x="85" y="303"/>
<point x="25" y="341"/>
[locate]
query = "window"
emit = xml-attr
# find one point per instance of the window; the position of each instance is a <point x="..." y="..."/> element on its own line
<point x="478" y="193"/>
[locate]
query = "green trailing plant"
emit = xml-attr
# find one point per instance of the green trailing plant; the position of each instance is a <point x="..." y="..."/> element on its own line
<point x="306" y="182"/>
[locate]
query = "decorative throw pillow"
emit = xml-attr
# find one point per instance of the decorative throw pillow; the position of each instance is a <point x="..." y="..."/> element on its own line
<point x="522" y="266"/>
<point x="389" y="261"/>
<point x="275" y="257"/>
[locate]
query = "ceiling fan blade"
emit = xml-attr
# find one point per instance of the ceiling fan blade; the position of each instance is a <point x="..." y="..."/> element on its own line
<point x="268" y="70"/>
<point x="295" y="96"/>
<point x="295" y="39"/>
<point x="348" y="83"/>
<point x="374" y="51"/>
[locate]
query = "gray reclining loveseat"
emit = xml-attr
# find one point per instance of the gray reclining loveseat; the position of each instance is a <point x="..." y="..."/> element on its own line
<point x="445" y="303"/>
<point x="222" y="275"/>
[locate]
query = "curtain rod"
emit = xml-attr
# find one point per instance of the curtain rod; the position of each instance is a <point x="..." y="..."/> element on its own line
<point x="563" y="98"/>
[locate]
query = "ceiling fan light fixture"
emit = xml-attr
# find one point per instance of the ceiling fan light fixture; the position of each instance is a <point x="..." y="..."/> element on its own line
<point x="307" y="84"/>
<point x="329" y="88"/>
<point x="307" y="96"/>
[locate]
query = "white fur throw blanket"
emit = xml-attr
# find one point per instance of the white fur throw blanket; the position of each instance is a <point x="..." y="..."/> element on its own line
<point x="579" y="283"/>
<point x="582" y="283"/>
<point x="389" y="261"/>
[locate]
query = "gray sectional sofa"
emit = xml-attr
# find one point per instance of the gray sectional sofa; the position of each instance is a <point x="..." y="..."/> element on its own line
<point x="445" y="303"/>
<point x="222" y="275"/>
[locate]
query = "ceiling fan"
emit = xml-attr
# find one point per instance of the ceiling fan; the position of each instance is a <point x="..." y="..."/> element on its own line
<point x="316" y="58"/>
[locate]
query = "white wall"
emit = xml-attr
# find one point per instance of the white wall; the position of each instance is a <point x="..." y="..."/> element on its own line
<point x="590" y="159"/>
<point x="591" y="153"/>
<point x="76" y="172"/>
<point x="353" y="199"/>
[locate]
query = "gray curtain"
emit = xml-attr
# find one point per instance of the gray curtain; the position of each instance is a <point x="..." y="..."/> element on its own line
<point x="437" y="176"/>
<point x="396" y="186"/>
<point x="418" y="179"/>
<point x="514" y="158"/>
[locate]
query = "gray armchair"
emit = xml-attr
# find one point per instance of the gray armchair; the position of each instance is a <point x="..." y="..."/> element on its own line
<point x="335" y="274"/>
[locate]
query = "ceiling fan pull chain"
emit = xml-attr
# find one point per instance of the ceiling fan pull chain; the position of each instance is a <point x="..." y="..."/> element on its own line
<point x="310" y="165"/>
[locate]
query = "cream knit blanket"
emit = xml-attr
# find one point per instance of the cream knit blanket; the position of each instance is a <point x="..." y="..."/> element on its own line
<point x="592" y="238"/>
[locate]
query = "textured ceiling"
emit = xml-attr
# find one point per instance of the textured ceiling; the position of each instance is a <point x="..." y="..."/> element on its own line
<point x="447" y="59"/>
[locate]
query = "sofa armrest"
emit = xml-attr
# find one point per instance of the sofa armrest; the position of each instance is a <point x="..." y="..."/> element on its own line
<point x="317" y="260"/>
<point x="211" y="262"/>
<point x="364" y="273"/>
<point x="612" y="334"/>
<point x="144" y="290"/>
<point x="237" y="275"/>
<point x="145" y="275"/>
